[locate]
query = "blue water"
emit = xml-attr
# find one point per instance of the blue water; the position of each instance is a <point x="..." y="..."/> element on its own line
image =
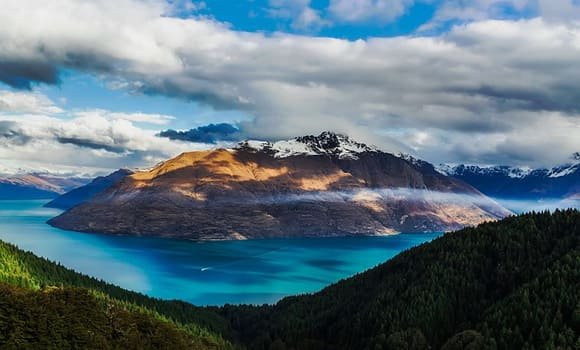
<point x="203" y="273"/>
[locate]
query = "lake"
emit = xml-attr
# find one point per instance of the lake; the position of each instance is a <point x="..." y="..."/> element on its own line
<point x="203" y="273"/>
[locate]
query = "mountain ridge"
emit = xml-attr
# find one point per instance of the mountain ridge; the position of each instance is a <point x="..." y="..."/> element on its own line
<point x="37" y="186"/>
<point x="558" y="182"/>
<point x="324" y="185"/>
<point x="86" y="192"/>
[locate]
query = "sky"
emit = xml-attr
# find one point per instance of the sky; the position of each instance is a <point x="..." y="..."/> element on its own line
<point x="97" y="85"/>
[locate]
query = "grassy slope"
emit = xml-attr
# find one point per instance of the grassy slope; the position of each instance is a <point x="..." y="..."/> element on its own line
<point x="36" y="294"/>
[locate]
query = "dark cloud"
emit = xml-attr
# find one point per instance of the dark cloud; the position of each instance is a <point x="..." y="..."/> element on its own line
<point x="86" y="143"/>
<point x="22" y="75"/>
<point x="218" y="95"/>
<point x="211" y="133"/>
<point x="563" y="97"/>
<point x="9" y="131"/>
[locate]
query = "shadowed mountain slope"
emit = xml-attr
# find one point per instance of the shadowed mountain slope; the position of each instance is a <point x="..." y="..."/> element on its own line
<point x="324" y="185"/>
<point x="88" y="191"/>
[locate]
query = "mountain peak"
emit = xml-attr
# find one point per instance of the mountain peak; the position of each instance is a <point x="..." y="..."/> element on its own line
<point x="327" y="143"/>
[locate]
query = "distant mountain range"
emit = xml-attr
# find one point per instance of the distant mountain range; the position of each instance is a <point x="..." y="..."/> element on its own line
<point x="88" y="191"/>
<point x="561" y="182"/>
<point x="325" y="185"/>
<point x="37" y="186"/>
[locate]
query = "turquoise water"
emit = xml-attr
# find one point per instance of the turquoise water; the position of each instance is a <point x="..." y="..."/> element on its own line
<point x="203" y="273"/>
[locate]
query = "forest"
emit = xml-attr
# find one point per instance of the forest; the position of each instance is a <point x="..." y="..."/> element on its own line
<point x="44" y="305"/>
<point x="512" y="284"/>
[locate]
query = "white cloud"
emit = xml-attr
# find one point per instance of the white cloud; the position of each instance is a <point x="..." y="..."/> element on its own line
<point x="92" y="139"/>
<point x="486" y="81"/>
<point x="476" y="10"/>
<point x="184" y="7"/>
<point x="309" y="19"/>
<point x="138" y="117"/>
<point x="303" y="16"/>
<point x="559" y="10"/>
<point x="26" y="102"/>
<point x="357" y="11"/>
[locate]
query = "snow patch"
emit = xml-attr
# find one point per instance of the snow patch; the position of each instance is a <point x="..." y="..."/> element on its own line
<point x="512" y="172"/>
<point x="327" y="143"/>
<point x="563" y="171"/>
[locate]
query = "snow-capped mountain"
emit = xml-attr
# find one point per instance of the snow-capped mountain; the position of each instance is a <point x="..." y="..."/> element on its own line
<point x="499" y="170"/>
<point x="327" y="143"/>
<point x="513" y="182"/>
<point x="325" y="185"/>
<point x="566" y="169"/>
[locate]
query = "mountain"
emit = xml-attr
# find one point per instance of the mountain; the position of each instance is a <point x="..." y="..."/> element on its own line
<point x="36" y="186"/>
<point x="513" y="284"/>
<point x="88" y="191"/>
<point x="521" y="183"/>
<point x="325" y="185"/>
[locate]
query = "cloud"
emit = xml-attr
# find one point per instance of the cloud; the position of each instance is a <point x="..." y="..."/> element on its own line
<point x="10" y="133"/>
<point x="95" y="139"/>
<point x="523" y="145"/>
<point x="453" y="11"/>
<point x="356" y="11"/>
<point x="22" y="74"/>
<point x="87" y="143"/>
<point x="138" y="117"/>
<point x="481" y="83"/>
<point x="559" y="10"/>
<point x="184" y="7"/>
<point x="309" y="19"/>
<point x="211" y="133"/>
<point x="382" y="196"/>
<point x="303" y="16"/>
<point x="523" y="206"/>
<point x="22" y="102"/>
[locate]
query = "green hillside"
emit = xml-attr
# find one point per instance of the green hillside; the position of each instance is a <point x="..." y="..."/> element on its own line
<point x="46" y="306"/>
<point x="513" y="284"/>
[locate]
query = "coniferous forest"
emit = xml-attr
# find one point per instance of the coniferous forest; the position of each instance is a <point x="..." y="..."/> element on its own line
<point x="513" y="284"/>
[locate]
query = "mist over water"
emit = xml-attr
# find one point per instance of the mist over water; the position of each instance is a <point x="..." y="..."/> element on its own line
<point x="519" y="206"/>
<point x="423" y="195"/>
<point x="378" y="194"/>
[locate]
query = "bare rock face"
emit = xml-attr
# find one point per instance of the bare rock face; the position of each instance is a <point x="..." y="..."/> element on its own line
<point x="326" y="185"/>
